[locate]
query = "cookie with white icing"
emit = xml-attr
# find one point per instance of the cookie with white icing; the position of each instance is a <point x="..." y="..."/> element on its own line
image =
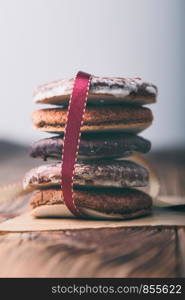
<point x="95" y="173"/>
<point x="102" y="90"/>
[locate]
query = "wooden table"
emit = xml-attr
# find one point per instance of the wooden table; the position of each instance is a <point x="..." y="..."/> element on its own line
<point x="117" y="252"/>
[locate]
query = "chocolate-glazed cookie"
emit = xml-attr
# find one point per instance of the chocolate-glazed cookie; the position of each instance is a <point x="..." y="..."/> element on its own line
<point x="103" y="90"/>
<point x="99" y="173"/>
<point x="93" y="146"/>
<point x="125" y="203"/>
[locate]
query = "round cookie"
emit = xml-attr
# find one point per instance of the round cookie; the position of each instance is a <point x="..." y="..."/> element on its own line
<point x="93" y="146"/>
<point x="102" y="90"/>
<point x="117" y="203"/>
<point x="102" y="118"/>
<point x="95" y="173"/>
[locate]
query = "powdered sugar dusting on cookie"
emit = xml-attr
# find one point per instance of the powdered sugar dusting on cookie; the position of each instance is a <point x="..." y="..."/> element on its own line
<point x="151" y="89"/>
<point x="53" y="89"/>
<point x="115" y="87"/>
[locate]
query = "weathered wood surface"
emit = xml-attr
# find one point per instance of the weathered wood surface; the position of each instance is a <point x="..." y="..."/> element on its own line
<point x="118" y="252"/>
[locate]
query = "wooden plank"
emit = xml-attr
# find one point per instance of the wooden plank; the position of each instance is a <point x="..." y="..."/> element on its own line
<point x="119" y="252"/>
<point x="181" y="251"/>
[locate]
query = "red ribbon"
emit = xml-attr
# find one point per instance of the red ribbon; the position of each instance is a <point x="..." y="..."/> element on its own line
<point x="72" y="134"/>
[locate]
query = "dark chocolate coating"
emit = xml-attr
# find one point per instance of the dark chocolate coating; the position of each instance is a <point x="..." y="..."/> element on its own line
<point x="93" y="146"/>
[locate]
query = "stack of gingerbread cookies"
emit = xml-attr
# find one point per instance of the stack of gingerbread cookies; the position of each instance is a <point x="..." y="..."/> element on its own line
<point x="108" y="183"/>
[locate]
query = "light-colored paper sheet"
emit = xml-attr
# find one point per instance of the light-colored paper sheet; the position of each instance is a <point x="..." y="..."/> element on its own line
<point x="26" y="222"/>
